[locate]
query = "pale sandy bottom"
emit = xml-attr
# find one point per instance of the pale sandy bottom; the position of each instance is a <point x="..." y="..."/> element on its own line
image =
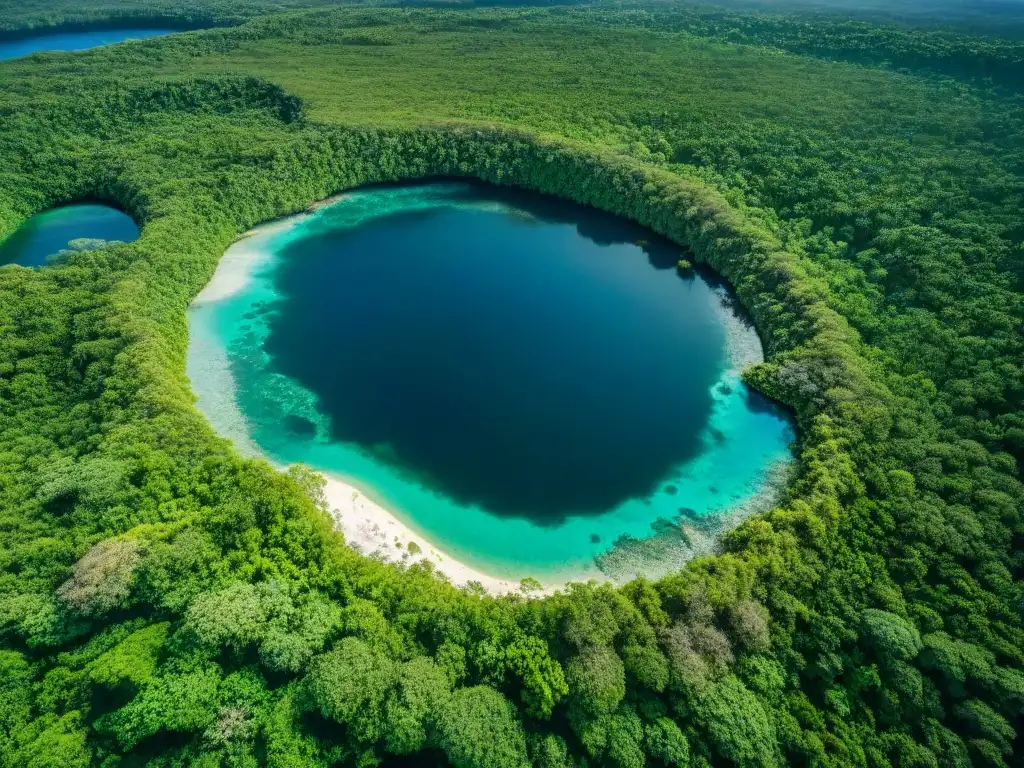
<point x="235" y="269"/>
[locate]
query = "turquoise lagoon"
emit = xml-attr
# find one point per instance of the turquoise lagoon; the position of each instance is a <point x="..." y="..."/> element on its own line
<point x="73" y="41"/>
<point x="530" y="385"/>
<point x="68" y="228"/>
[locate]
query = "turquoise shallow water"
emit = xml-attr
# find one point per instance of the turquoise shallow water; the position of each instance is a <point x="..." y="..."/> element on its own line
<point x="73" y="41"/>
<point x="84" y="225"/>
<point x="357" y="340"/>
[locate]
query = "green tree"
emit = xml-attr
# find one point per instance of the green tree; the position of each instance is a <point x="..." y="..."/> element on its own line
<point x="734" y="724"/>
<point x="422" y="689"/>
<point x="351" y="685"/>
<point x="478" y="728"/>
<point x="101" y="580"/>
<point x="542" y="679"/>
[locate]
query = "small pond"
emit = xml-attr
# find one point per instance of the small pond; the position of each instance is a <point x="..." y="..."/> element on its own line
<point x="74" y="41"/>
<point x="531" y="385"/>
<point x="70" y="227"/>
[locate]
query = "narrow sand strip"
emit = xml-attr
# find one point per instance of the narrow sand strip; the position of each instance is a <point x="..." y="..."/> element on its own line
<point x="240" y="261"/>
<point x="372" y="530"/>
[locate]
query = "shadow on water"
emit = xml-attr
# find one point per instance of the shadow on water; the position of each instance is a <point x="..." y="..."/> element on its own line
<point x="598" y="227"/>
<point x="726" y="295"/>
<point x="758" y="403"/>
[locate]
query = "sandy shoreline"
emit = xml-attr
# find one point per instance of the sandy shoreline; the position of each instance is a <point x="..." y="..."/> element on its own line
<point x="372" y="530"/>
<point x="367" y="526"/>
<point x="236" y="266"/>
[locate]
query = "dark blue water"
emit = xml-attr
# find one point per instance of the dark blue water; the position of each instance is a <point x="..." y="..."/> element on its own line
<point x="516" y="363"/>
<point x="73" y="41"/>
<point x="70" y="227"/>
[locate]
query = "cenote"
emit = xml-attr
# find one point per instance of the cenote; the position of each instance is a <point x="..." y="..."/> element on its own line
<point x="531" y="385"/>
<point x="49" y="234"/>
<point x="74" y="41"/>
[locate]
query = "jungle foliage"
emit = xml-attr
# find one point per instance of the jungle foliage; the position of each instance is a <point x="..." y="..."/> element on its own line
<point x="165" y="602"/>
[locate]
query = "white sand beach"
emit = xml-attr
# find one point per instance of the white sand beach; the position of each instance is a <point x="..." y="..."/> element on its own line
<point x="236" y="266"/>
<point x="372" y="530"/>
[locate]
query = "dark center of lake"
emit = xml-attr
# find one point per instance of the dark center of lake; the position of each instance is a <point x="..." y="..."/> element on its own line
<point x="537" y="364"/>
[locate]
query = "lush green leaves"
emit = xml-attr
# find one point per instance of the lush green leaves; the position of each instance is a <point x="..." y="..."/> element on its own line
<point x="478" y="728"/>
<point x="162" y="599"/>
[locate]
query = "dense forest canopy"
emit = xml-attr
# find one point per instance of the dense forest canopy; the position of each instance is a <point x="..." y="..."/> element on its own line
<point x="859" y="183"/>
